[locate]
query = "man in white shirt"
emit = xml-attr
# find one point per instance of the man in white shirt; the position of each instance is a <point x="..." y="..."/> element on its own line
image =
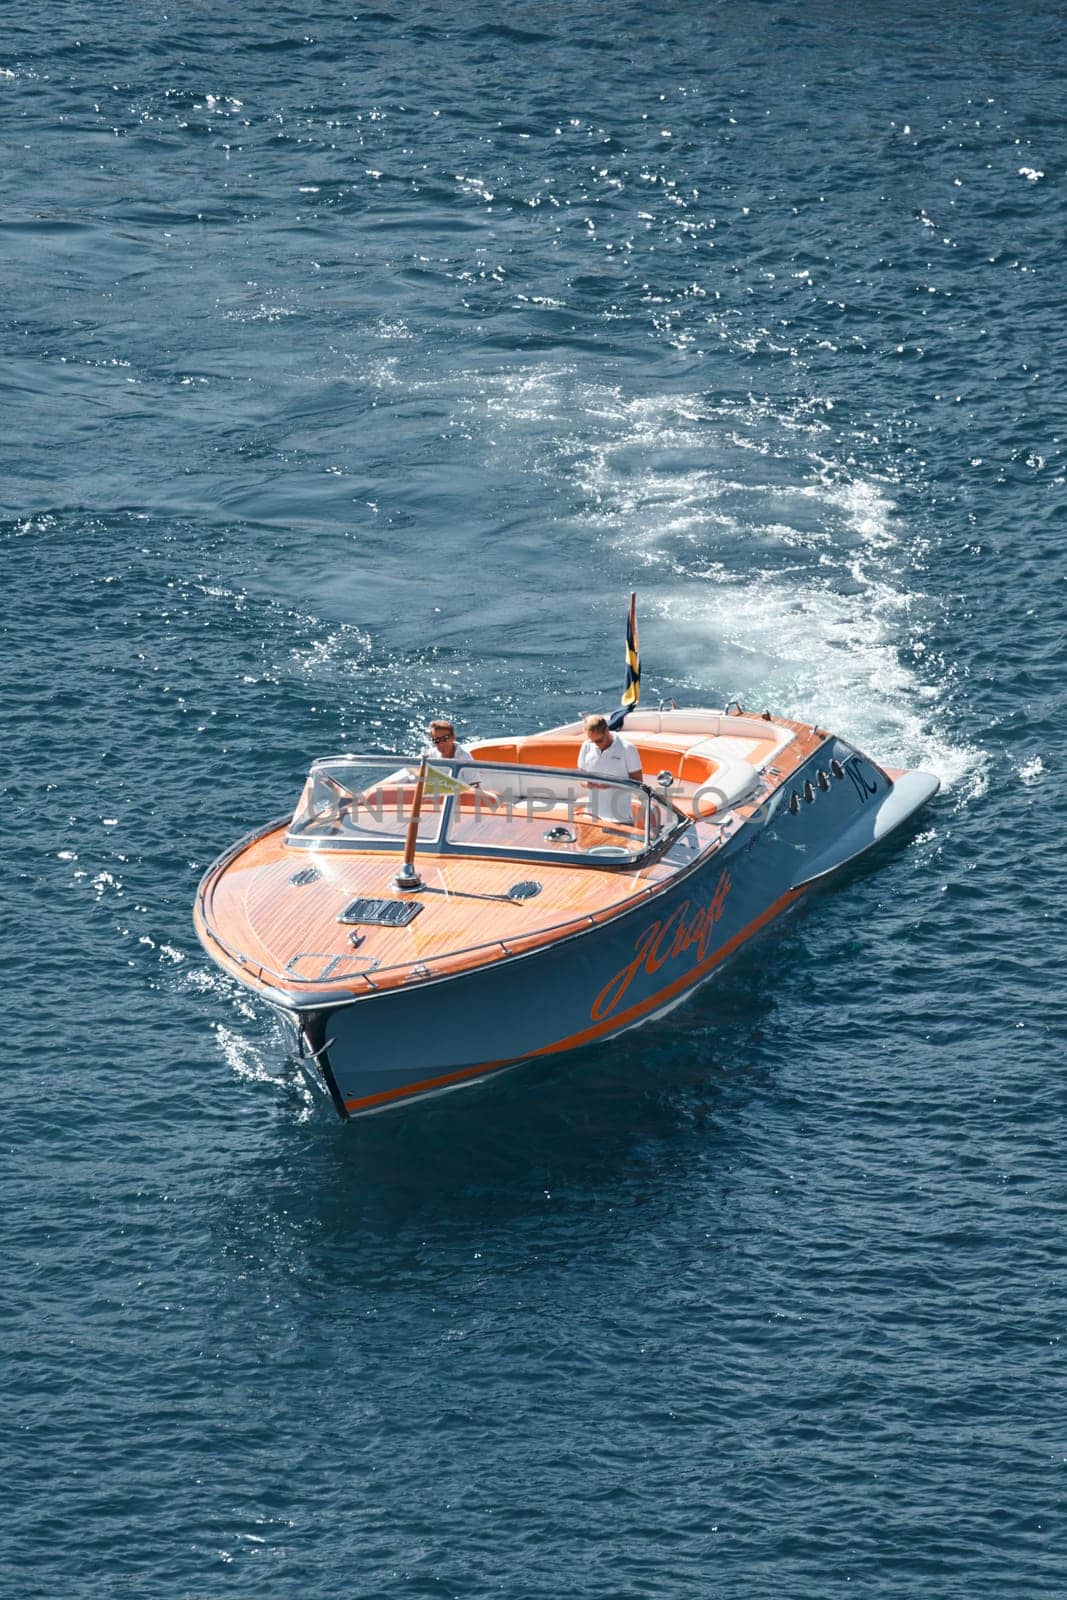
<point x="612" y="756"/>
<point x="442" y="735"/>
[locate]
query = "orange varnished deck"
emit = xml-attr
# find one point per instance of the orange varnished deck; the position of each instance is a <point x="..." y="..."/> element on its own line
<point x="289" y="935"/>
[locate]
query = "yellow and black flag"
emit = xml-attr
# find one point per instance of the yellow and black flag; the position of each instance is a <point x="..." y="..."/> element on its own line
<point x="631" y="693"/>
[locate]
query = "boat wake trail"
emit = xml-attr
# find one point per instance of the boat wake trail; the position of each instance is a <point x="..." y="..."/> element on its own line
<point x="790" y="572"/>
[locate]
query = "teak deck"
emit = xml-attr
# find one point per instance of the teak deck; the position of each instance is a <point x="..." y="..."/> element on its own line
<point x="291" y="933"/>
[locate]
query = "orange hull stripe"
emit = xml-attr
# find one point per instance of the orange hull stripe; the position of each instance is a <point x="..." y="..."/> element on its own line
<point x="411" y="1090"/>
<point x="587" y="1035"/>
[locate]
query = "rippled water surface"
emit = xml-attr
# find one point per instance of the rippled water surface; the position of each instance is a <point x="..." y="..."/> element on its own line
<point x="357" y="363"/>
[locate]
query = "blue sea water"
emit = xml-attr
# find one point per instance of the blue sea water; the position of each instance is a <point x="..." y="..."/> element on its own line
<point x="356" y="364"/>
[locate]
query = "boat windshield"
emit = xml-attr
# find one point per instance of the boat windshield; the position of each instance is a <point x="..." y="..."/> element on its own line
<point x="476" y="808"/>
<point x="356" y="800"/>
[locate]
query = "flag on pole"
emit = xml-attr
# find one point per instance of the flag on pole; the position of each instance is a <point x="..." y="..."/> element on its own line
<point x="631" y="693"/>
<point x="438" y="782"/>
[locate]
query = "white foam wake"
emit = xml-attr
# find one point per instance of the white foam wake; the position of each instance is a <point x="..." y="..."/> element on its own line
<point x="781" y="563"/>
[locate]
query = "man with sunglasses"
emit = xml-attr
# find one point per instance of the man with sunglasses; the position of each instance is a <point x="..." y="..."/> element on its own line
<point x="442" y="735"/>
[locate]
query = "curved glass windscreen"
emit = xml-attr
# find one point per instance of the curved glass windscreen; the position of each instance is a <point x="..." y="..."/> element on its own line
<point x="539" y="810"/>
<point x="357" y="799"/>
<point x="479" y="808"/>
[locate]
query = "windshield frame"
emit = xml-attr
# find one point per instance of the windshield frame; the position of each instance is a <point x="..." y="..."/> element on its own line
<point x="441" y="842"/>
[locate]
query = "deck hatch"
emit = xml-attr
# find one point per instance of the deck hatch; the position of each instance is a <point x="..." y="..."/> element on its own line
<point x="524" y="890"/>
<point x="380" y="913"/>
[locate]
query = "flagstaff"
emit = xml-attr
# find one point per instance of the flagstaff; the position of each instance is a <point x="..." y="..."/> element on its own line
<point x="631" y="690"/>
<point x="406" y="876"/>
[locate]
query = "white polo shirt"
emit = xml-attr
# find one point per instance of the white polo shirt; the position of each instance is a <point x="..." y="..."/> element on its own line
<point x="617" y="761"/>
<point x="461" y="774"/>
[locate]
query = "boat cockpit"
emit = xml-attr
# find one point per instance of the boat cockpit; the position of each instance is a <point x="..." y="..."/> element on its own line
<point x="525" y="796"/>
<point x="482" y="809"/>
<point x="708" y="761"/>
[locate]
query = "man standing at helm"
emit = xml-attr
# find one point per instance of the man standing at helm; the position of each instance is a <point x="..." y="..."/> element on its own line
<point x="611" y="756"/>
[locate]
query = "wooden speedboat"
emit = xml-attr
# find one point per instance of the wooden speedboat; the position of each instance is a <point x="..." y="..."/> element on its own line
<point x="540" y="912"/>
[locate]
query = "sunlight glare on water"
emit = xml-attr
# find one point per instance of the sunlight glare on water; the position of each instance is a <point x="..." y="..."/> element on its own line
<point x="358" y="365"/>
